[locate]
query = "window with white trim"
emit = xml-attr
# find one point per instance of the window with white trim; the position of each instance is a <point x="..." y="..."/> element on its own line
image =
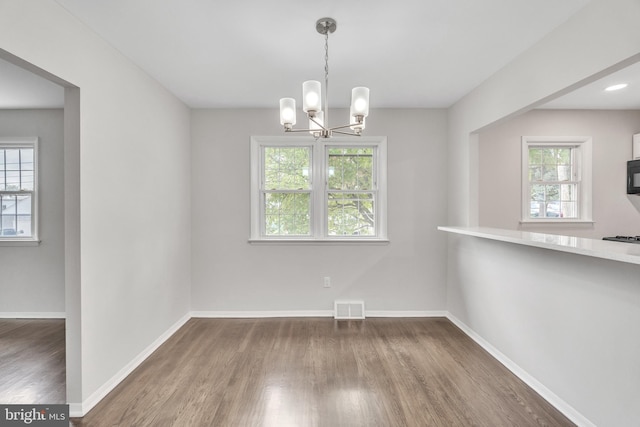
<point x="324" y="190"/>
<point x="18" y="189"/>
<point x="556" y="179"/>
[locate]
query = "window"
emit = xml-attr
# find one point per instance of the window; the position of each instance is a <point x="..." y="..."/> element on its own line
<point x="325" y="190"/>
<point x="18" y="186"/>
<point x="556" y="179"/>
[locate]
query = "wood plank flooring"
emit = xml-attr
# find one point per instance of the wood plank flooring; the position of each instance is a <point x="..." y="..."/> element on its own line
<point x="321" y="372"/>
<point x="32" y="361"/>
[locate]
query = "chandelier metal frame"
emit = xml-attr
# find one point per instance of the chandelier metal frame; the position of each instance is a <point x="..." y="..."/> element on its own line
<point x="313" y="98"/>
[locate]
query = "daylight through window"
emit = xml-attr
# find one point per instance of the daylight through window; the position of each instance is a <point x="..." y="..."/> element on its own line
<point x="351" y="192"/>
<point x="553" y="182"/>
<point x="318" y="190"/>
<point x="18" y="186"/>
<point x="287" y="191"/>
<point x="556" y="178"/>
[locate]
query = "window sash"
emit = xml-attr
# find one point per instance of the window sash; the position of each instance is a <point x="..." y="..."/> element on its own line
<point x="562" y="213"/>
<point x="265" y="194"/>
<point x="338" y="225"/>
<point x="309" y="168"/>
<point x="13" y="216"/>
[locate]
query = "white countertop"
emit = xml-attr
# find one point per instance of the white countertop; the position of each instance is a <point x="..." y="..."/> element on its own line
<point x="616" y="251"/>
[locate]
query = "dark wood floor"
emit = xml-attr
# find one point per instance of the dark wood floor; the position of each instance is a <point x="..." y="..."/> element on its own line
<point x="32" y="361"/>
<point x="320" y="372"/>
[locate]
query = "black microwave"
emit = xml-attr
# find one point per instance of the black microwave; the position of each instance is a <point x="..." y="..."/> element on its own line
<point x="633" y="177"/>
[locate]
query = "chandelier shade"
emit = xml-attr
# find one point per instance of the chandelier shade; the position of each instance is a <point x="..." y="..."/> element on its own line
<point x="360" y="101"/>
<point x="287" y="112"/>
<point x="311" y="96"/>
<point x="312" y="100"/>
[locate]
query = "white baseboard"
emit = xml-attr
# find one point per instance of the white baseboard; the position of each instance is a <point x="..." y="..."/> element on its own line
<point x="81" y="409"/>
<point x="261" y="314"/>
<point x="32" y="315"/>
<point x="310" y="313"/>
<point x="536" y="385"/>
<point x="410" y="313"/>
<point x="75" y="410"/>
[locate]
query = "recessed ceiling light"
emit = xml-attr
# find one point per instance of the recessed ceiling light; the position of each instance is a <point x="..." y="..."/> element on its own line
<point x="616" y="87"/>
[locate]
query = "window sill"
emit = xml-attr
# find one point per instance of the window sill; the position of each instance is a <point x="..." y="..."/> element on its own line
<point x="319" y="242"/>
<point x="17" y="242"/>
<point x="556" y="221"/>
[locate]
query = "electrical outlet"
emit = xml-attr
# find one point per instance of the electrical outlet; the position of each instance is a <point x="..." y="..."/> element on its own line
<point x="327" y="282"/>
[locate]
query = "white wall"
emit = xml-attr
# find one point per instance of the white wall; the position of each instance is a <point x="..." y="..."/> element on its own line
<point x="500" y="169"/>
<point x="570" y="321"/>
<point x="33" y="277"/>
<point x="489" y="284"/>
<point x="602" y="37"/>
<point x="135" y="185"/>
<point x="229" y="274"/>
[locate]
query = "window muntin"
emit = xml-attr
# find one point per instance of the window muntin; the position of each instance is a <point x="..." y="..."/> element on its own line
<point x="556" y="182"/>
<point x="17" y="189"/>
<point x="318" y="190"/>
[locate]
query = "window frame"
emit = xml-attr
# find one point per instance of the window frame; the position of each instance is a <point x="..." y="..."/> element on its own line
<point x="582" y="153"/>
<point x="21" y="143"/>
<point x="319" y="188"/>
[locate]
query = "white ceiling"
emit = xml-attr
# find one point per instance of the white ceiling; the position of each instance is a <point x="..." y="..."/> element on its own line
<point x="594" y="96"/>
<point x="22" y="89"/>
<point x="250" y="53"/>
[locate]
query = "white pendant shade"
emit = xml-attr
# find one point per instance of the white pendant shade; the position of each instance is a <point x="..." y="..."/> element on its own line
<point x="360" y="101"/>
<point x="311" y="96"/>
<point x="287" y="111"/>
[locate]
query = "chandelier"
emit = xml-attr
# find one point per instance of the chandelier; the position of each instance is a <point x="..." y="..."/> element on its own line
<point x="312" y="100"/>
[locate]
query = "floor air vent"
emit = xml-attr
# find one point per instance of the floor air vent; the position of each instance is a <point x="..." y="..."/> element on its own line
<point x="348" y="310"/>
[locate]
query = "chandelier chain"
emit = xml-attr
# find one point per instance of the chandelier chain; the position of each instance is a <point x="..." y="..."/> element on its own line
<point x="326" y="78"/>
<point x="326" y="56"/>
